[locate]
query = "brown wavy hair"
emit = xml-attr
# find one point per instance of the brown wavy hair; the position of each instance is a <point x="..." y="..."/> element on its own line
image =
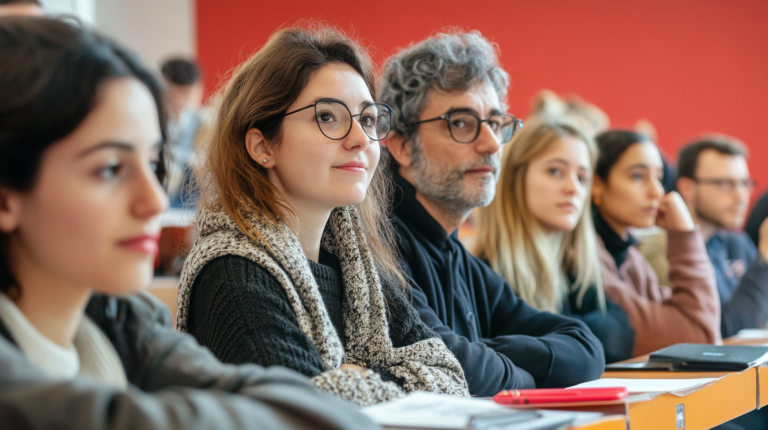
<point x="258" y="95"/>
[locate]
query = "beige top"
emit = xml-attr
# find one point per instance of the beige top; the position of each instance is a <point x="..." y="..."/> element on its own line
<point x="91" y="354"/>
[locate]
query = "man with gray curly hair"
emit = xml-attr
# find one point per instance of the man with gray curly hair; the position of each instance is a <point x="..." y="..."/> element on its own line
<point x="448" y="94"/>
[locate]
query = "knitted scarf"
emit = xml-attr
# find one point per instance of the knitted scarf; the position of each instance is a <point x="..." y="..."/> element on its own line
<point x="427" y="365"/>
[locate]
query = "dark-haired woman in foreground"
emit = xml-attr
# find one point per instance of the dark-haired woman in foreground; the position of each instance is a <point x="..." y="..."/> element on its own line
<point x="294" y="262"/>
<point x="80" y="156"/>
<point x="627" y="192"/>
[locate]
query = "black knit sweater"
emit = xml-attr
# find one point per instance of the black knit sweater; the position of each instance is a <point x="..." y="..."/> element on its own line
<point x="242" y="314"/>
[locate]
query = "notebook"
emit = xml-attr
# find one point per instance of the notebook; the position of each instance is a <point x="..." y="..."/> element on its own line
<point x="690" y="356"/>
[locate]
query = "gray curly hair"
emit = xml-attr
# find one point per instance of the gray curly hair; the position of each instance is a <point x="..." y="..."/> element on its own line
<point x="448" y="62"/>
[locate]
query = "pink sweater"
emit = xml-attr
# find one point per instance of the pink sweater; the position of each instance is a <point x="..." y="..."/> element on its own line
<point x="689" y="312"/>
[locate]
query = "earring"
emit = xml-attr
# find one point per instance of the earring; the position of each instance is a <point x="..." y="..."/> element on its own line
<point x="265" y="160"/>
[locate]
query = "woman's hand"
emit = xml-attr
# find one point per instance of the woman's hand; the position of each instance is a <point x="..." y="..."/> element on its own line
<point x="673" y="214"/>
<point x="352" y="368"/>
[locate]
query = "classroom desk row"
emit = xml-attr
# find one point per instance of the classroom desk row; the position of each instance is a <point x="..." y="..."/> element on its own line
<point x="731" y="395"/>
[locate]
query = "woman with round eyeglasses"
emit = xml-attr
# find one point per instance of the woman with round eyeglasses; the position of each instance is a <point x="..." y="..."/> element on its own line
<point x="294" y="265"/>
<point x="81" y="348"/>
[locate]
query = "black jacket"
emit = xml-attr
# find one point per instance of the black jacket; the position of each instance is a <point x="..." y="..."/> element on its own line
<point x="500" y="341"/>
<point x="173" y="384"/>
<point x="612" y="327"/>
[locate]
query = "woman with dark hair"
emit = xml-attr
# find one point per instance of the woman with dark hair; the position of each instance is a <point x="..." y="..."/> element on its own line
<point x="80" y="197"/>
<point x="294" y="264"/>
<point x="627" y="193"/>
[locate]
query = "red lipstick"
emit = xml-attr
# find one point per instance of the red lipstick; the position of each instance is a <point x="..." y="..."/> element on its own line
<point x="144" y="244"/>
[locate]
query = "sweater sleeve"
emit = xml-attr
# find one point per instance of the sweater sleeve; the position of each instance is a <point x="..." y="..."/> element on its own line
<point x="612" y="327"/>
<point x="242" y="314"/>
<point x="748" y="306"/>
<point x="558" y="351"/>
<point x="179" y="385"/>
<point x="692" y="312"/>
<point x="525" y="348"/>
<point x="487" y="371"/>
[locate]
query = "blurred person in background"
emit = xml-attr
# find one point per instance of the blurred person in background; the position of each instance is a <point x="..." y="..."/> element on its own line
<point x="184" y="94"/>
<point x="571" y="109"/>
<point x="756" y="218"/>
<point x="713" y="179"/>
<point x="21" y="8"/>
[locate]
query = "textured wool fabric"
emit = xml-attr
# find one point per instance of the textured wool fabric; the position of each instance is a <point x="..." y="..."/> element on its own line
<point x="241" y="313"/>
<point x="426" y="365"/>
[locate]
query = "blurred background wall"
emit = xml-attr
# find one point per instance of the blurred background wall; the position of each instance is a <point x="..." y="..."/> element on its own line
<point x="155" y="29"/>
<point x="688" y="66"/>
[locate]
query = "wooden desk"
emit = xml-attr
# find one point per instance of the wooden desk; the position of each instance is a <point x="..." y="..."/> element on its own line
<point x="762" y="371"/>
<point x="732" y="395"/>
<point x="615" y="422"/>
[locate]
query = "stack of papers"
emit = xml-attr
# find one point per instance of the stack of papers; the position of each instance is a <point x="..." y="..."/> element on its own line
<point x="635" y="386"/>
<point x="422" y="410"/>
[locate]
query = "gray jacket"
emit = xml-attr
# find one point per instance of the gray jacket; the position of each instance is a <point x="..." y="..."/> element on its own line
<point x="173" y="384"/>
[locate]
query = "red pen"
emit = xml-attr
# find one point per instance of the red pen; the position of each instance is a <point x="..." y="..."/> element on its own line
<point x="560" y="395"/>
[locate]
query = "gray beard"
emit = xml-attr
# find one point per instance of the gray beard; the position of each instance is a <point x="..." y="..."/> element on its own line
<point x="447" y="189"/>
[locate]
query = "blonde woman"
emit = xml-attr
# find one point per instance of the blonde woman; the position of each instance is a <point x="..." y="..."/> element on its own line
<point x="538" y="232"/>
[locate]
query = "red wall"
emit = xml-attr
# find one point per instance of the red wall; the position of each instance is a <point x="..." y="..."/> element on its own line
<point x="689" y="66"/>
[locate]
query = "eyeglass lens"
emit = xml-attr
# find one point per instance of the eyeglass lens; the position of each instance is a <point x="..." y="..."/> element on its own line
<point x="335" y="120"/>
<point x="465" y="127"/>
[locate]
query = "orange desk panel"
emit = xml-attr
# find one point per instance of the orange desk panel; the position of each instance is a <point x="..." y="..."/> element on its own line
<point x="725" y="399"/>
<point x="605" y="423"/>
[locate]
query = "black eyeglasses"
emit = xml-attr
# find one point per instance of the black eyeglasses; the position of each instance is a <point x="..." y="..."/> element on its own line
<point x="335" y="120"/>
<point x="464" y="126"/>
<point x="728" y="185"/>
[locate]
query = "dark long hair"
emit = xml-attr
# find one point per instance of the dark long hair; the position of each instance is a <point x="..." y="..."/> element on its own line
<point x="612" y="145"/>
<point x="50" y="78"/>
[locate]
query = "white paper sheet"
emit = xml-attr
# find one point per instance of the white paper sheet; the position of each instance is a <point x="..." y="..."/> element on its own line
<point x="429" y="410"/>
<point x="647" y="385"/>
<point x="422" y="410"/>
<point x="752" y="333"/>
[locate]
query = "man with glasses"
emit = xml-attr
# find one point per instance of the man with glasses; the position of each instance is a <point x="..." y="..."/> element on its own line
<point x="447" y="94"/>
<point x="713" y="179"/>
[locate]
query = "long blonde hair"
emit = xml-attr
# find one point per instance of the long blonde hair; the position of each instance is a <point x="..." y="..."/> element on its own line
<point x="534" y="262"/>
<point x="257" y="96"/>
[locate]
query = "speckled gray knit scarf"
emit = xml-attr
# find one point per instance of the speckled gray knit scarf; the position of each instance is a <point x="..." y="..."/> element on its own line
<point x="427" y="365"/>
